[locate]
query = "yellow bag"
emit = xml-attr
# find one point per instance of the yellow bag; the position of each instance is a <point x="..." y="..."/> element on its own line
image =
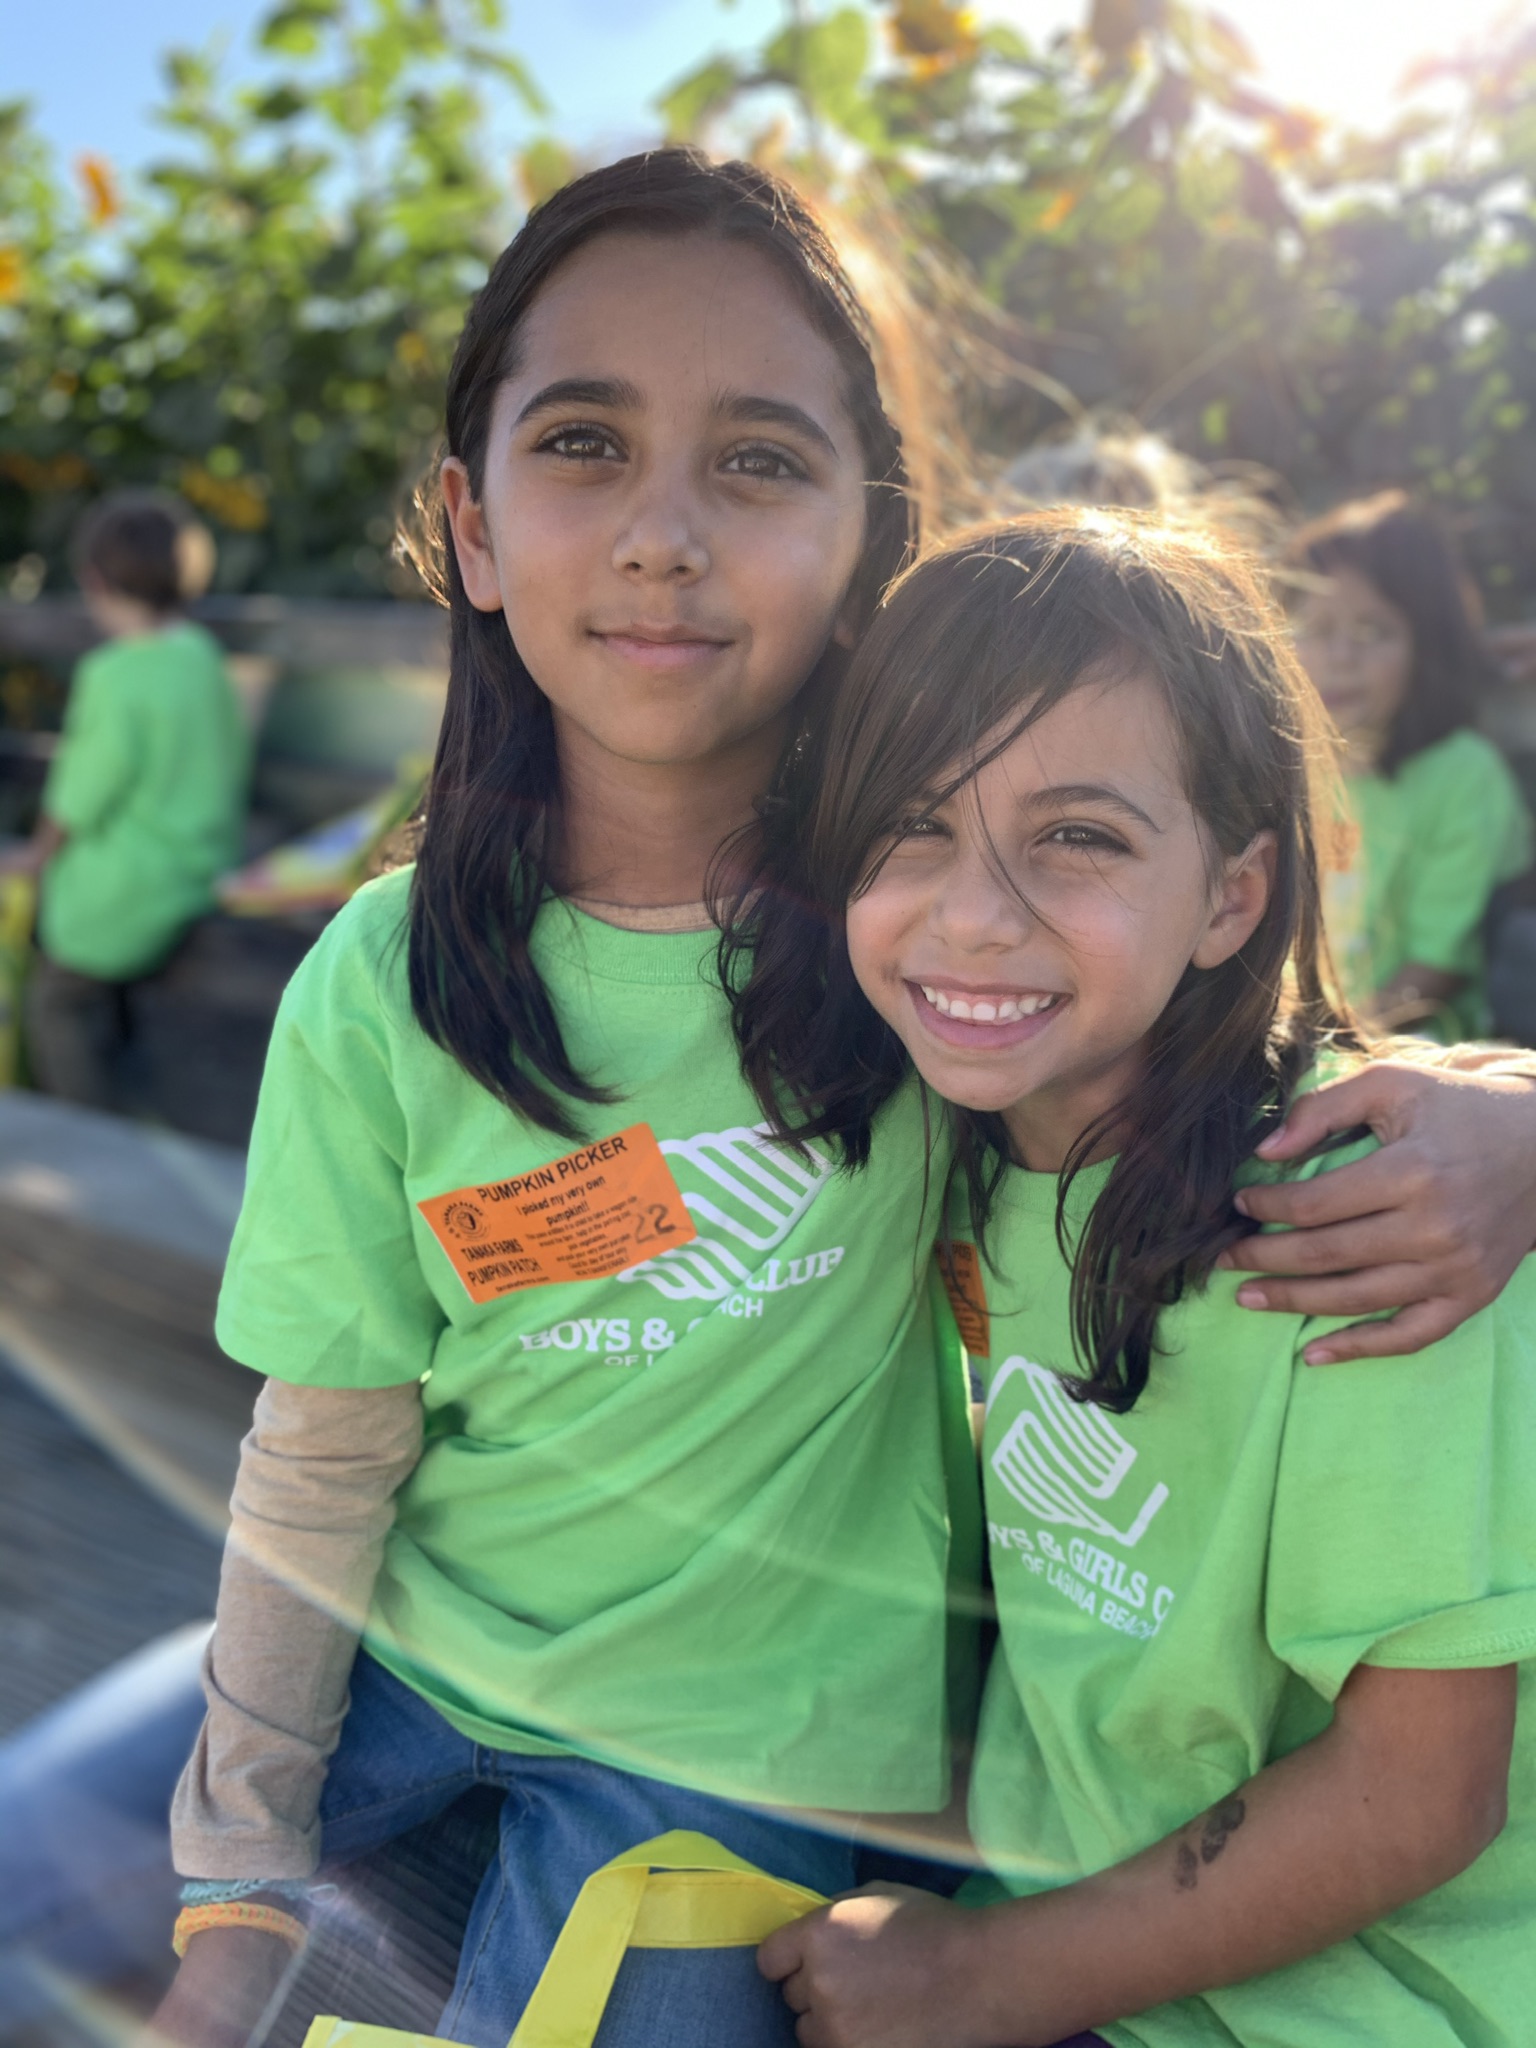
<point x="18" y="908"/>
<point x="679" y="1891"/>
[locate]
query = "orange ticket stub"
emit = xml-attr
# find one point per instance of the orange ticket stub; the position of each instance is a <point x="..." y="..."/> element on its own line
<point x="961" y="1273"/>
<point x="604" y="1207"/>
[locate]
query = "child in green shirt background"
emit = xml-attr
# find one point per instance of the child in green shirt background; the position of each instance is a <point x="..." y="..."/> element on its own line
<point x="1386" y="630"/>
<point x="1248" y="1768"/>
<point x="144" y="805"/>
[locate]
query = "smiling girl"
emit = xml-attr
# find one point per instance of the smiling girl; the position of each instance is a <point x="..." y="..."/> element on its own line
<point x="1249" y="1744"/>
<point x="625" y="1436"/>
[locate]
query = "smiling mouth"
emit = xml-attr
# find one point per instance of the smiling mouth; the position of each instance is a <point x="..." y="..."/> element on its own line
<point x="984" y="1020"/>
<point x="986" y="1009"/>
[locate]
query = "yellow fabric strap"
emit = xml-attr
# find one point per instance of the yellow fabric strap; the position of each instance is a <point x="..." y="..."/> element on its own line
<point x="681" y="1890"/>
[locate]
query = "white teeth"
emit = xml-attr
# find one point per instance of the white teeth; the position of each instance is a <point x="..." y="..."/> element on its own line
<point x="1006" y="1010"/>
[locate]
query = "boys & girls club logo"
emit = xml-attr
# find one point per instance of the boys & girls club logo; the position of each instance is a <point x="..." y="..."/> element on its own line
<point x="745" y="1193"/>
<point x="1065" y="1461"/>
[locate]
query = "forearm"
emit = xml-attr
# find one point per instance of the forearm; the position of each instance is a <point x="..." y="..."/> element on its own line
<point x="313" y="1504"/>
<point x="1414" y="992"/>
<point x="32" y="855"/>
<point x="1312" y="1850"/>
<point x="1496" y="1062"/>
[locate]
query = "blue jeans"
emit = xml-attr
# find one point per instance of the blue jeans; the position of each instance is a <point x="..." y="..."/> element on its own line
<point x="87" y="1892"/>
<point x="400" y="1762"/>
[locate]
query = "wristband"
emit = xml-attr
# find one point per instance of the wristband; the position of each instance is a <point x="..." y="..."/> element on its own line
<point x="237" y="1913"/>
<point x="216" y="1891"/>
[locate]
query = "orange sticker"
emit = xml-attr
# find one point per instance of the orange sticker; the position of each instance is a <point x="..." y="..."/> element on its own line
<point x="961" y="1273"/>
<point x="600" y="1209"/>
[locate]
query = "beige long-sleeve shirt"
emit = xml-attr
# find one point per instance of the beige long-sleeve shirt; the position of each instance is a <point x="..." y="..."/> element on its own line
<point x="313" y="1502"/>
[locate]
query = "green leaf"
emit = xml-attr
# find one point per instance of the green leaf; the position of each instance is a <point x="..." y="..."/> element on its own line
<point x="1215" y="421"/>
<point x="543" y="167"/>
<point x="693" y="99"/>
<point x="295" y="29"/>
<point x="824" y="60"/>
<point x="281" y="103"/>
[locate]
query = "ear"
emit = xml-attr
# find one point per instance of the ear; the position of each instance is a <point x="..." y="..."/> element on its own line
<point x="1241" y="900"/>
<point x="471" y="538"/>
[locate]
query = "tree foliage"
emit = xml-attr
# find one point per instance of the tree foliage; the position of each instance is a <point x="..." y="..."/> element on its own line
<point x="265" y="324"/>
<point x="265" y="319"/>
<point x="1170" y="241"/>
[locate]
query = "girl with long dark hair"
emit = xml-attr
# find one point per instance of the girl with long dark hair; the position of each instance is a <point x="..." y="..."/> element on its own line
<point x="1386" y="630"/>
<point x="1249" y="1742"/>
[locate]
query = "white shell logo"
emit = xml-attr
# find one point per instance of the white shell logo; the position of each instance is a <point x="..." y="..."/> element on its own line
<point x="746" y="1192"/>
<point x="1062" y="1456"/>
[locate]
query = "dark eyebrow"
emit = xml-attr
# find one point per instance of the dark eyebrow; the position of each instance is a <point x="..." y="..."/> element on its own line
<point x="1065" y="794"/>
<point x="617" y="394"/>
<point x="772" y="412"/>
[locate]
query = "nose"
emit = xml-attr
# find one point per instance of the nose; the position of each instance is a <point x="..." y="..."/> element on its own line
<point x="661" y="538"/>
<point x="977" y="910"/>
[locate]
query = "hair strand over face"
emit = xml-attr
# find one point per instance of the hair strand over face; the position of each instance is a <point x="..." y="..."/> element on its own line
<point x="973" y="645"/>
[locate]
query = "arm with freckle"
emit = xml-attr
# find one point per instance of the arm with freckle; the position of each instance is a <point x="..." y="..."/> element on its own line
<point x="1404" y="1789"/>
<point x="1430" y="1227"/>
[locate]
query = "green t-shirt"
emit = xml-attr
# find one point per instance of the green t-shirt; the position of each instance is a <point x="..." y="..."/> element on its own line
<point x="1183" y="1590"/>
<point x="693" y="1519"/>
<point x="1436" y="840"/>
<point x="149" y="782"/>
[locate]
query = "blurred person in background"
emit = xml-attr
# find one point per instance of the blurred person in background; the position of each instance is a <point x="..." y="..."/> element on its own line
<point x="1107" y="459"/>
<point x="1104" y="461"/>
<point x="144" y="805"/>
<point x="1387" y="630"/>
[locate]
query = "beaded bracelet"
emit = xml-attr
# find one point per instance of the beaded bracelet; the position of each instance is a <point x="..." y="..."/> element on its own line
<point x="237" y="1913"/>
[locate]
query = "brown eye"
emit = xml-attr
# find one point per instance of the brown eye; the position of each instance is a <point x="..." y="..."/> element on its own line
<point x="1086" y="839"/>
<point x="579" y="444"/>
<point x="764" y="464"/>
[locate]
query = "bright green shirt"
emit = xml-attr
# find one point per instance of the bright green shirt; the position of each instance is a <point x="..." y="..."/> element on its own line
<point x="1183" y="1590"/>
<point x="1436" y="840"/>
<point x="149" y="783"/>
<point x="693" y="1519"/>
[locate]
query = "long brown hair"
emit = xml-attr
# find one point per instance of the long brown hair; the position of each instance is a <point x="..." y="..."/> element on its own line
<point x="1404" y="553"/>
<point x="482" y="862"/>
<point x="970" y="648"/>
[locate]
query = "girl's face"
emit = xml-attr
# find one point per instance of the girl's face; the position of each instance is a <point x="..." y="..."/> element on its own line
<point x="1024" y="940"/>
<point x="673" y="506"/>
<point x="1358" y="649"/>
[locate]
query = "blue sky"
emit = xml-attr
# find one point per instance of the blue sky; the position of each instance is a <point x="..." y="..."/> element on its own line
<point x="91" y="67"/>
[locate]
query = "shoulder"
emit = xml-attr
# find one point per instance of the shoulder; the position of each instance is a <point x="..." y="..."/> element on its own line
<point x="197" y="645"/>
<point x="107" y="663"/>
<point x="1331" y="1064"/>
<point x="1463" y="761"/>
<point x="188" y="653"/>
<point x="354" y="977"/>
